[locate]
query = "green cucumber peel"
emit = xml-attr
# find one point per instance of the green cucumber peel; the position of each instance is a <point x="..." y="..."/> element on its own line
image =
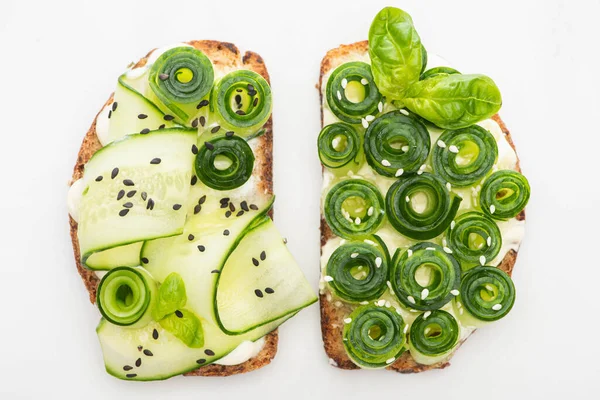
<point x="434" y="333"/>
<point x="504" y="194"/>
<point x="474" y="239"/>
<point x="339" y="145"/>
<point x="487" y="293"/>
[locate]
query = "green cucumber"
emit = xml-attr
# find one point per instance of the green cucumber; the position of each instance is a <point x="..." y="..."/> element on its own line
<point x="136" y="189"/>
<point x="132" y="113"/>
<point x="122" y="256"/>
<point x="260" y="282"/>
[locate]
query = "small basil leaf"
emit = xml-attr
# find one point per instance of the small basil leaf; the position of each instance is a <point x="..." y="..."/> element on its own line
<point x="430" y="73"/>
<point x="454" y="101"/>
<point x="397" y="55"/>
<point x="171" y="296"/>
<point x="185" y="326"/>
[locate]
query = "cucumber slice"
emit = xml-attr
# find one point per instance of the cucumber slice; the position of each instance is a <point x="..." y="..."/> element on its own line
<point x="122" y="256"/>
<point x="132" y="113"/>
<point x="260" y="282"/>
<point x="136" y="189"/>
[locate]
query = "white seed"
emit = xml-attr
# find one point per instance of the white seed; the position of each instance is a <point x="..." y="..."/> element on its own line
<point x="405" y="148"/>
<point x="403" y="111"/>
<point x="365" y="123"/>
<point x="369" y="118"/>
<point x="405" y="329"/>
<point x="413" y="310"/>
<point x="347" y="320"/>
<point x="388" y="304"/>
<point x="381" y="303"/>
<point x="420" y="172"/>
<point x="444" y="242"/>
<point x="422" y="167"/>
<point x="399" y="172"/>
<point x="329" y="297"/>
<point x="407" y="199"/>
<point x="448" y="186"/>
<point x="409" y="252"/>
<point x="364" y="81"/>
<point x="461" y="311"/>
<point x="497" y="307"/>
<point x="344" y="83"/>
<point x="489" y="241"/>
<point x="453" y="149"/>
<point x="353" y="255"/>
<point x="455" y="292"/>
<point x="441" y="143"/>
<point x="411" y="299"/>
<point x="492" y="209"/>
<point x="424" y="294"/>
<point x="452" y="224"/>
<point x="389" y="284"/>
<point x="370" y="211"/>
<point x="385" y="163"/>
<point x="364" y="303"/>
<point x="482" y="260"/>
<point x="448" y="250"/>
<point x="338" y="304"/>
<point x="339" y="95"/>
<point x="367" y="241"/>
<point x="390" y="360"/>
<point x="489" y="288"/>
<point x="357" y="221"/>
<point x="328" y="278"/>
<point x="380" y="106"/>
<point x="378" y="262"/>
<point x="430" y="248"/>
<point x="427" y="314"/>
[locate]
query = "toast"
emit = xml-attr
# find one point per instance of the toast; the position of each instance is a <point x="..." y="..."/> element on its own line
<point x="223" y="56"/>
<point x="332" y="316"/>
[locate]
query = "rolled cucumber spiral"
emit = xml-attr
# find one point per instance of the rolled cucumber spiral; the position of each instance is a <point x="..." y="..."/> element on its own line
<point x="340" y="146"/>
<point x="126" y="296"/>
<point x="374" y="336"/>
<point x="225" y="163"/>
<point x="504" y="194"/>
<point x="475" y="238"/>
<point x="433" y="336"/>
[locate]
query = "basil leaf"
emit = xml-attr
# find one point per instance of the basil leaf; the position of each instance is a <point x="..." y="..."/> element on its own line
<point x="396" y="52"/>
<point x="454" y="101"/>
<point x="185" y="326"/>
<point x="171" y="296"/>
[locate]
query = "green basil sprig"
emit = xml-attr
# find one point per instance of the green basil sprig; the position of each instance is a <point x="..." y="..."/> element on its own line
<point x="396" y="52"/>
<point x="171" y="296"/>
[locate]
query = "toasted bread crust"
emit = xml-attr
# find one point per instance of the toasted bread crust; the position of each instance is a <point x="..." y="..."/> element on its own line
<point x="222" y="54"/>
<point x="332" y="317"/>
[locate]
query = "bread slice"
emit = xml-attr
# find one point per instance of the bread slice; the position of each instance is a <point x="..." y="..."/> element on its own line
<point x="223" y="56"/>
<point x="332" y="317"/>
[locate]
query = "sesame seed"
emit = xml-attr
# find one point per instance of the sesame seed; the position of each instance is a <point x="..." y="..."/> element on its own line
<point x="386" y="163"/>
<point x="155" y="161"/>
<point x="347" y="320"/>
<point x="410" y="252"/>
<point x="328" y="278"/>
<point x="390" y="360"/>
<point x="339" y="95"/>
<point x="447" y="250"/>
<point x="163" y="77"/>
<point x="120" y="194"/>
<point x="492" y="209"/>
<point x="452" y="224"/>
<point x="209" y="352"/>
<point x="194" y="149"/>
<point x="124" y="212"/>
<point x="203" y="103"/>
<point x="399" y="172"/>
<point x="407" y="199"/>
<point x="403" y="111"/>
<point x="388" y="304"/>
<point x="344" y="83"/>
<point x="357" y="221"/>
<point x="114" y="173"/>
<point x="380" y="106"/>
<point x="461" y="311"/>
<point x="131" y="193"/>
<point x="482" y="260"/>
<point x="145" y="131"/>
<point x="424" y="293"/>
<point x="448" y="186"/>
<point x="381" y="303"/>
<point x="168" y="117"/>
<point x="364" y="303"/>
<point x="197" y="209"/>
<point x="453" y="149"/>
<point x="430" y="248"/>
<point x="405" y="327"/>
<point x="128" y="204"/>
<point x="364" y="81"/>
<point x="142" y="116"/>
<point x="441" y="143"/>
<point x="226" y="232"/>
<point x="378" y="262"/>
<point x="99" y="178"/>
<point x="369" y="118"/>
<point x="215" y="129"/>
<point x="497" y="307"/>
<point x="138" y="362"/>
<point x="370" y="211"/>
<point x="176" y="207"/>
<point x="367" y="241"/>
<point x="128" y="182"/>
<point x="365" y="123"/>
<point x="426" y="315"/>
<point x="422" y="167"/>
<point x="411" y="299"/>
<point x="353" y="255"/>
<point x="148" y="352"/>
<point x="209" y="145"/>
<point x="489" y="241"/>
<point x="258" y="293"/>
<point x="454" y="292"/>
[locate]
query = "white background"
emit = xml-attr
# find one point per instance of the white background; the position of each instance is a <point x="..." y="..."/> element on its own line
<point x="59" y="61"/>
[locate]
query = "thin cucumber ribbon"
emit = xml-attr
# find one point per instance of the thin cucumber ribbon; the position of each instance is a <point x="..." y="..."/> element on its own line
<point x="420" y="206"/>
<point x="358" y="271"/>
<point x="464" y="156"/>
<point x="339" y="145"/>
<point x="181" y="76"/>
<point x="425" y="277"/>
<point x="354" y="209"/>
<point x="475" y="238"/>
<point x="487" y="293"/>
<point x="351" y="92"/>
<point x="231" y="150"/>
<point x="126" y="296"/>
<point x="243" y="102"/>
<point x="374" y="336"/>
<point x="434" y="333"/>
<point x="396" y="144"/>
<point x="504" y="194"/>
<point x="430" y="73"/>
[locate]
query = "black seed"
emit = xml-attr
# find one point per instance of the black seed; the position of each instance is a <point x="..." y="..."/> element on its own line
<point x="109" y="114"/>
<point x="114" y="106"/>
<point x="253" y="207"/>
<point x="140" y="347"/>
<point x="120" y="195"/>
<point x="255" y="262"/>
<point x="215" y="271"/>
<point x="155" y="161"/>
<point x="163" y="77"/>
<point x="142" y="116"/>
<point x="251" y="88"/>
<point x="128" y="182"/>
<point x="99" y="178"/>
<point x="209" y="352"/>
<point x="131" y="375"/>
<point x="128" y="204"/>
<point x="224" y="200"/>
<point x="150" y="205"/>
<point x="240" y="213"/>
<point x="155" y="334"/>
<point x="238" y="90"/>
<point x="131" y="193"/>
<point x="145" y="260"/>
<point x="252" y="93"/>
<point x="238" y="98"/>
<point x="124" y="212"/>
<point x="231" y="207"/>
<point x="209" y="145"/>
<point x="195" y="123"/>
<point x="202" y="121"/>
<point x="197" y="209"/>
<point x="194" y="180"/>
<point x="255" y="102"/>
<point x="203" y="103"/>
<point x="201" y="248"/>
<point x="228" y="214"/>
<point x="263" y="255"/>
<point x="148" y="352"/>
<point x="215" y="129"/>
<point x="226" y="232"/>
<point x="176" y="207"/>
<point x="138" y="362"/>
<point x="258" y="293"/>
<point x="144" y="196"/>
<point x="244" y="206"/>
<point x="114" y="173"/>
<point x="194" y="149"/>
<point x="269" y="290"/>
<point x="202" y="199"/>
<point x="162" y="126"/>
<point x="179" y="315"/>
<point x="200" y="361"/>
<point x="144" y="131"/>
<point x="127" y="368"/>
<point x="240" y="112"/>
<point x="190" y="237"/>
<point x="230" y="133"/>
<point x="168" y="117"/>
<point x="223" y="205"/>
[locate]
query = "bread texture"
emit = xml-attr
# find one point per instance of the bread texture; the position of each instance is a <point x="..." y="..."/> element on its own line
<point x="332" y="317"/>
<point x="223" y="55"/>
